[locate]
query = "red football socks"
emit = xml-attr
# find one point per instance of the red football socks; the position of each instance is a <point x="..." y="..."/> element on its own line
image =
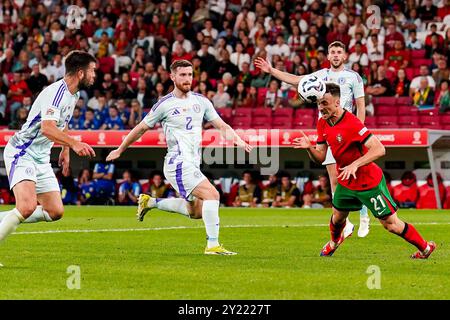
<point x="336" y="230"/>
<point x="411" y="235"/>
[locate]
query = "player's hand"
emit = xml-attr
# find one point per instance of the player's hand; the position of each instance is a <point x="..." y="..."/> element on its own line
<point x="64" y="162"/>
<point x="244" y="145"/>
<point x="83" y="150"/>
<point x="262" y="64"/>
<point x="113" y="155"/>
<point x="302" y="142"/>
<point x="348" y="171"/>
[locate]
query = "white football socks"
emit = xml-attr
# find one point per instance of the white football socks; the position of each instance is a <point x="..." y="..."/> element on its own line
<point x="38" y="215"/>
<point x="10" y="223"/>
<point x="176" y="205"/>
<point x="210" y="215"/>
<point x="363" y="212"/>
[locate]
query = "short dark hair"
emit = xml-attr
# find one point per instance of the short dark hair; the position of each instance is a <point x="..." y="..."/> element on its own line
<point x="78" y="60"/>
<point x="337" y="44"/>
<point x="180" y="64"/>
<point x="333" y="89"/>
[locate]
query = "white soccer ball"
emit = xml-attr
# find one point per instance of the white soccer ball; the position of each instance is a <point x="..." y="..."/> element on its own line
<point x="311" y="88"/>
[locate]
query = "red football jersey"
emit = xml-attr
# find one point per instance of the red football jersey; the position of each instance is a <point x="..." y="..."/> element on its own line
<point x="346" y="139"/>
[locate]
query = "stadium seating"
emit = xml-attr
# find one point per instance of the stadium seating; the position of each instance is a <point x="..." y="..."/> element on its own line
<point x="408" y="121"/>
<point x="242" y="121"/>
<point x="387" y="122"/>
<point x="386" y="110"/>
<point x="427" y="121"/>
<point x="261" y="97"/>
<point x="262" y="118"/>
<point x="282" y="118"/>
<point x="370" y="122"/>
<point x="225" y="113"/>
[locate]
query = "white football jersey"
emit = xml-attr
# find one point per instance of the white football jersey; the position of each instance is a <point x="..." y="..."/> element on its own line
<point x="56" y="103"/>
<point x="349" y="81"/>
<point x="182" y="121"/>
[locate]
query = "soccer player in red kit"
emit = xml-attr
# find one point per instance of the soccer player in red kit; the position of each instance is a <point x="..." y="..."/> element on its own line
<point x="360" y="180"/>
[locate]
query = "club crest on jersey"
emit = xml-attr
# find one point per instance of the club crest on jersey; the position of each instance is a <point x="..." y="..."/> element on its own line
<point x="196" y="108"/>
<point x="339" y="138"/>
<point x="341" y="80"/>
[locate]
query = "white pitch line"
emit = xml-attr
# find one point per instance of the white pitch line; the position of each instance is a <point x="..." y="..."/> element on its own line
<point x="197" y="227"/>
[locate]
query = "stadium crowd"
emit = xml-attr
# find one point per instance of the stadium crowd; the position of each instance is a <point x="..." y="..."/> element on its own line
<point x="403" y="62"/>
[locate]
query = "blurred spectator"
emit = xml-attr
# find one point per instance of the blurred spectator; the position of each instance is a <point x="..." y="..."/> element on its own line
<point x="380" y="86"/>
<point x="442" y="72"/>
<point x="406" y="193"/>
<point x="427" y="197"/>
<point x="443" y="99"/>
<point x="358" y="56"/>
<point x="249" y="194"/>
<point x="239" y="57"/>
<point x="157" y="188"/>
<point x="412" y="42"/>
<point x="398" y="58"/>
<point x="391" y="36"/>
<point x="124" y="113"/>
<point x="270" y="191"/>
<point x="104" y="182"/>
<point x="68" y="186"/>
<point x="339" y="35"/>
<point x="375" y="48"/>
<point x="359" y="70"/>
<point x="221" y="98"/>
<point x="113" y="120"/>
<point x="241" y="97"/>
<point x="129" y="189"/>
<point x="90" y="122"/>
<point x="21" y="118"/>
<point x="428" y="11"/>
<point x="288" y="193"/>
<point x="37" y="81"/>
<point x="274" y="96"/>
<point x="86" y="185"/>
<point x="401" y="84"/>
<point x="200" y="15"/>
<point x="424" y="95"/>
<point x="77" y="121"/>
<point x="228" y="83"/>
<point x="18" y="89"/>
<point x="321" y="196"/>
<point x="135" y="114"/>
<point x="415" y="83"/>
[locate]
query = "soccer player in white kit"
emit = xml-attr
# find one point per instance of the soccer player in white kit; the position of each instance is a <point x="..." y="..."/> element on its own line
<point x="27" y="154"/>
<point x="181" y="114"/>
<point x="352" y="88"/>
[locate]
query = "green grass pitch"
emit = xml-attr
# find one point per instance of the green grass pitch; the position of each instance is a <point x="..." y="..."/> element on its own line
<point x="278" y="257"/>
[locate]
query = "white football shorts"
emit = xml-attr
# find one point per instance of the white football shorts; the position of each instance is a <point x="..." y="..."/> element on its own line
<point x="20" y="166"/>
<point x="184" y="176"/>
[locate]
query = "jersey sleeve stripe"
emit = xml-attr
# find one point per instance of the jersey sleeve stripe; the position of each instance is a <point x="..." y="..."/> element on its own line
<point x="57" y="94"/>
<point x="60" y="98"/>
<point x="170" y="95"/>
<point x="366" y="138"/>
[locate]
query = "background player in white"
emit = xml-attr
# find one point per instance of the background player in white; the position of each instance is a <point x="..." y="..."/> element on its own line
<point x="181" y="114"/>
<point x="27" y="154"/>
<point x="351" y="88"/>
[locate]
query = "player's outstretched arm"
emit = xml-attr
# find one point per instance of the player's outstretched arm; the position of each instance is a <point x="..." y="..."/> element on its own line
<point x="266" y="66"/>
<point x="375" y="150"/>
<point x="228" y="133"/>
<point x="51" y="131"/>
<point x="317" y="153"/>
<point x="131" y="137"/>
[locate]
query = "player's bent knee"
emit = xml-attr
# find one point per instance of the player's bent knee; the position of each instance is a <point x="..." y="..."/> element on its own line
<point x="56" y="213"/>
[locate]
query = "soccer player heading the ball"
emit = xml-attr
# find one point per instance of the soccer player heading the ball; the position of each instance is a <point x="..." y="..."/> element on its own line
<point x="352" y="88"/>
<point x="360" y="180"/>
<point x="181" y="113"/>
